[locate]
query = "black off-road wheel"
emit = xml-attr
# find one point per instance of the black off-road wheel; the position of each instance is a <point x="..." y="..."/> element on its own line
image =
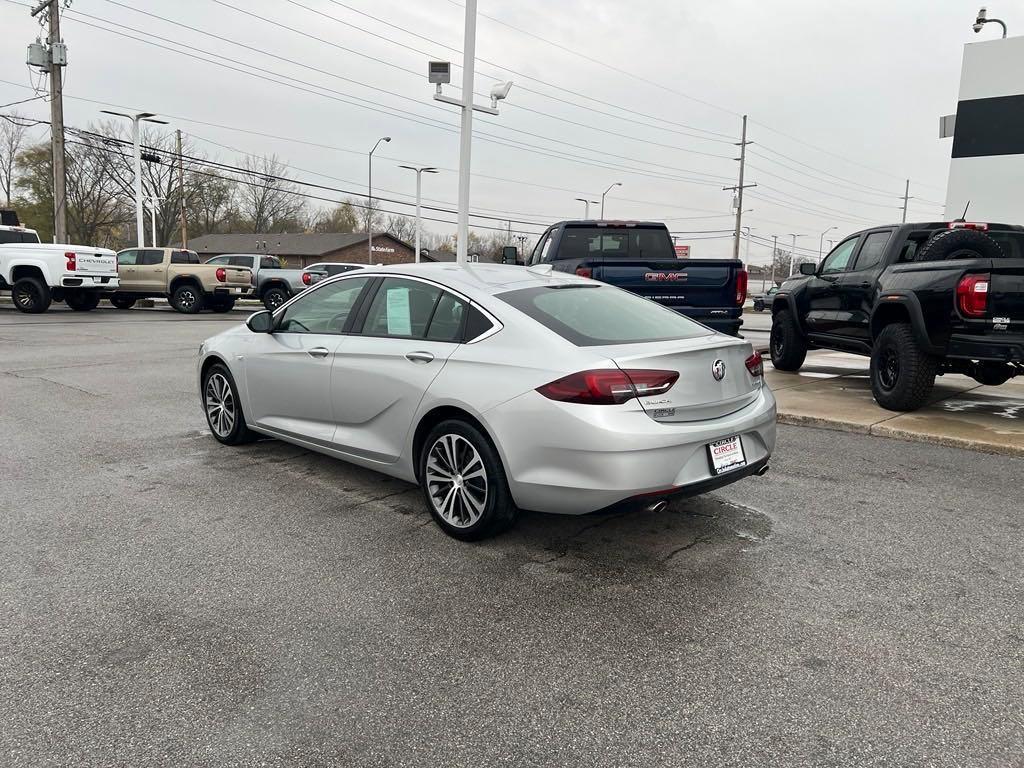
<point x="221" y="305"/>
<point x="902" y="373"/>
<point x="187" y="298"/>
<point x="31" y="295"/>
<point x="82" y="301"/>
<point x="464" y="482"/>
<point x="960" y="244"/>
<point x="122" y="301"/>
<point x="222" y="407"/>
<point x="788" y="348"/>
<point x="274" y="298"/>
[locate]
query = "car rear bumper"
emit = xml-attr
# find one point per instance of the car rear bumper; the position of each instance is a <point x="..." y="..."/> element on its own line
<point x="1008" y="349"/>
<point x="105" y="282"/>
<point x="574" y="459"/>
<point x="234" y="290"/>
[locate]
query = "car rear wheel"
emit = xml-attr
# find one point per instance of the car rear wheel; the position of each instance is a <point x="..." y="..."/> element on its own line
<point x="31" y="295"/>
<point x="464" y="482"/>
<point x="902" y="373"/>
<point x="82" y="301"/>
<point x="223" y="408"/>
<point x="274" y="298"/>
<point x="187" y="299"/>
<point x="788" y="348"/>
<point x="122" y="302"/>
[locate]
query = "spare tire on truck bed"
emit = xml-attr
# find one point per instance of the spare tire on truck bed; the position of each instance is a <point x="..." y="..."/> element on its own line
<point x="960" y="244"/>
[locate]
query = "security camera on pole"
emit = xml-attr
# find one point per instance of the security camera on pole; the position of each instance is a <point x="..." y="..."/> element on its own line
<point x="439" y="72"/>
<point x="147" y="117"/>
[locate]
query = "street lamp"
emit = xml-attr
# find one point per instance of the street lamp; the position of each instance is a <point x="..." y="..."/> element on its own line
<point x="369" y="199"/>
<point x="138" y="117"/>
<point x="153" y="200"/>
<point x="425" y="169"/>
<point x="821" y="241"/>
<point x="792" y="253"/>
<point x="586" y="206"/>
<point x="616" y="184"/>
<point x="746" y="256"/>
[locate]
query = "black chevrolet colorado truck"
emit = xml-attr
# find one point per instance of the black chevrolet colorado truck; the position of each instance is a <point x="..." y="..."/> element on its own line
<point x="920" y="299"/>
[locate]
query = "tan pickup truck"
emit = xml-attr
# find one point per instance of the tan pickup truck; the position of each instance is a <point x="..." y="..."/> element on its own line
<point x="178" y="276"/>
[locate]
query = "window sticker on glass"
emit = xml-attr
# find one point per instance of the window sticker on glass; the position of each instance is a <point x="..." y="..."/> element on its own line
<point x="399" y="319"/>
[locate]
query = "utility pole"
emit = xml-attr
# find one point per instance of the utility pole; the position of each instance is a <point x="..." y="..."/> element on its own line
<point x="181" y="192"/>
<point x="738" y="189"/>
<point x="55" y="59"/>
<point x="775" y="251"/>
<point x="906" y="199"/>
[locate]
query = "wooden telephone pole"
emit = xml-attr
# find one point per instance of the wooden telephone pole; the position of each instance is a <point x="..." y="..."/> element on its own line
<point x="181" y="192"/>
<point x="57" y="55"/>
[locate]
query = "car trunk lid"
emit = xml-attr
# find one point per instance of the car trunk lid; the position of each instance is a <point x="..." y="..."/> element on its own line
<point x="713" y="376"/>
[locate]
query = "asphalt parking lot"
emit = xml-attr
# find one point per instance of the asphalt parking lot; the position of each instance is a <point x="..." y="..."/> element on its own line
<point x="165" y="600"/>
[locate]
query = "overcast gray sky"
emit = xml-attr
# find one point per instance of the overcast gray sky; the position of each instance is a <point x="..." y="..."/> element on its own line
<point x="864" y="80"/>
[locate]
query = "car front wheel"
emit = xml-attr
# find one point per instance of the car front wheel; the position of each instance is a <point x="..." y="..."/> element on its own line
<point x="82" y="301"/>
<point x="788" y="348"/>
<point x="464" y="482"/>
<point x="223" y="408"/>
<point x="902" y="373"/>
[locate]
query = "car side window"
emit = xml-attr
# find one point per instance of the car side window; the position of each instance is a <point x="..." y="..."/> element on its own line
<point x="446" y="324"/>
<point x="269" y="262"/>
<point x="839" y="259"/>
<point x="182" y="257"/>
<point x="127" y="258"/>
<point x="540" y="249"/>
<point x="402" y="309"/>
<point x="221" y="261"/>
<point x="150" y="257"/>
<point x="240" y="261"/>
<point x="872" y="251"/>
<point x="322" y="310"/>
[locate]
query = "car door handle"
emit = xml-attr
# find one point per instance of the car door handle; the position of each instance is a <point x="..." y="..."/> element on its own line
<point x="419" y="357"/>
<point x="318" y="352"/>
<point x="865" y="285"/>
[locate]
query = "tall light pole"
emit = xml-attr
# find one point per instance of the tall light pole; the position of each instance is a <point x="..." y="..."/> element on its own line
<point x="138" y="117"/>
<point x="616" y="184"/>
<point x="369" y="199"/>
<point x="419" y="171"/>
<point x="152" y="200"/>
<point x="821" y="241"/>
<point x="792" y="253"/>
<point x="746" y="255"/>
<point x="775" y="250"/>
<point x="586" y="206"/>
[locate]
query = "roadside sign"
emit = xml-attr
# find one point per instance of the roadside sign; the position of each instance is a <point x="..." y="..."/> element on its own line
<point x="682" y="251"/>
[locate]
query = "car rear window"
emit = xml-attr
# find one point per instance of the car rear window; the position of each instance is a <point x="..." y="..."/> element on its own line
<point x="591" y="315"/>
<point x="9" y="237"/>
<point x="613" y="242"/>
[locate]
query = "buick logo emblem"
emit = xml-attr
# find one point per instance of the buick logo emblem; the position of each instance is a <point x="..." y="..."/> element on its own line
<point x="718" y="370"/>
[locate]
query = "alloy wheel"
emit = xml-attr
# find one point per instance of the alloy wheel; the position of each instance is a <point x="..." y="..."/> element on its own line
<point x="26" y="297"/>
<point x="220" y="405"/>
<point x="275" y="299"/>
<point x="456" y="480"/>
<point x="889" y="368"/>
<point x="186" y="299"/>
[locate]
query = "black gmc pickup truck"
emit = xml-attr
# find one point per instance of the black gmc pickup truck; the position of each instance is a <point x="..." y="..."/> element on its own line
<point x="920" y="299"/>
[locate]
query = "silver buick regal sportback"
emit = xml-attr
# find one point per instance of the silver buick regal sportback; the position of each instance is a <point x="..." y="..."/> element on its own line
<point x="496" y="388"/>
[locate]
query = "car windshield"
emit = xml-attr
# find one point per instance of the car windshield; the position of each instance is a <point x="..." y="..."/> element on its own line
<point x="616" y="242"/>
<point x="592" y="315"/>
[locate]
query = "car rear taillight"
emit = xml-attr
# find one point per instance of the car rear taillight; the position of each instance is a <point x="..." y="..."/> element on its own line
<point x="755" y="364"/>
<point x="72" y="261"/>
<point x="306" y="278"/>
<point x="978" y="225"/>
<point x="584" y="271"/>
<point x="222" y="276"/>
<point x="972" y="295"/>
<point x="608" y="386"/>
<point x="741" y="287"/>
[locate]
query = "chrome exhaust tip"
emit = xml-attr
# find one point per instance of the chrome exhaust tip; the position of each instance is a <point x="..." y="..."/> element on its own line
<point x="657" y="506"/>
<point x="762" y="471"/>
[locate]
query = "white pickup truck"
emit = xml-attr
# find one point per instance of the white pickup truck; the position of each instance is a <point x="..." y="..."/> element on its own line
<point x="37" y="273"/>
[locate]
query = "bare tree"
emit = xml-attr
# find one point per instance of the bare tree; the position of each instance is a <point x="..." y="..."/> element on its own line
<point x="267" y="201"/>
<point x="341" y="218"/>
<point x="401" y="228"/>
<point x="12" y="136"/>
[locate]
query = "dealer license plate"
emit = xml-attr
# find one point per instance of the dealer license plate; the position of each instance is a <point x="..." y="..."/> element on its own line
<point x="726" y="455"/>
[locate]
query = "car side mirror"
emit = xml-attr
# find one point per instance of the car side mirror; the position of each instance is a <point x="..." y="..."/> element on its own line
<point x="806" y="268"/>
<point x="261" y="322"/>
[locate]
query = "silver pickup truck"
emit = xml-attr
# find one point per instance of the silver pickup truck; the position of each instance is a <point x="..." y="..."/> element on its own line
<point x="273" y="284"/>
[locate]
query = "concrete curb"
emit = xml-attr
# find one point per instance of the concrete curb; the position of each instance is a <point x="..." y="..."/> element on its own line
<point x="895" y="433"/>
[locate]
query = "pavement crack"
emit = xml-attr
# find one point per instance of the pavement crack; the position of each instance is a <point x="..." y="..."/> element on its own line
<point x="691" y="545"/>
<point x="57" y="383"/>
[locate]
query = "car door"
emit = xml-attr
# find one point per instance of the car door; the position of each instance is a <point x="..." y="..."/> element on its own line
<point x="126" y="274"/>
<point x="151" y="272"/>
<point x="382" y="372"/>
<point x="288" y="371"/>
<point x="822" y="294"/>
<point x="856" y="286"/>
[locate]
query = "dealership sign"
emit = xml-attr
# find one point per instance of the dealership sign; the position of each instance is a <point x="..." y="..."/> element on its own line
<point x="383" y="249"/>
<point x="682" y="251"/>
